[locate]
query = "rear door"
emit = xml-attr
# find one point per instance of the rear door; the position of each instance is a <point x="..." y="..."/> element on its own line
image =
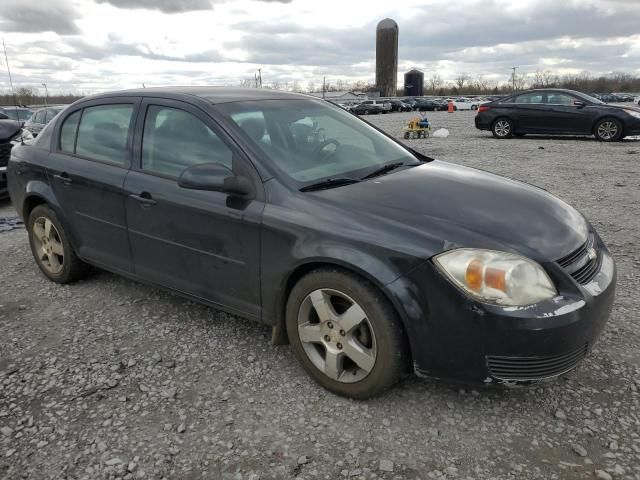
<point x="203" y="243"/>
<point x="530" y="113"/>
<point x="87" y="168"/>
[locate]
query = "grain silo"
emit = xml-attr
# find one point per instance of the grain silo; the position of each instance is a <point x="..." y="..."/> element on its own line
<point x="413" y="82"/>
<point x="387" y="57"/>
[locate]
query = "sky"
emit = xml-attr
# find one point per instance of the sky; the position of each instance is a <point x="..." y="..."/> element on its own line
<point x="89" y="46"/>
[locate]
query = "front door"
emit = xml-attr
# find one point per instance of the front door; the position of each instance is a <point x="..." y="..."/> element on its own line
<point x="87" y="169"/>
<point x="565" y="116"/>
<point x="202" y="243"/>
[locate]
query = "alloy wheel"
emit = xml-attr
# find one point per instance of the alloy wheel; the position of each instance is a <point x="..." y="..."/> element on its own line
<point x="607" y="130"/>
<point x="48" y="245"/>
<point x="336" y="335"/>
<point x="502" y="128"/>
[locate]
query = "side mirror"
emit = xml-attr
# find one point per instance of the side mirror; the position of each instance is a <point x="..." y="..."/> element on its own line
<point x="578" y="103"/>
<point x="214" y="177"/>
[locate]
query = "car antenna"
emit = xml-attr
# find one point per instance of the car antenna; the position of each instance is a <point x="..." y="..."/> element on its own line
<point x="15" y="100"/>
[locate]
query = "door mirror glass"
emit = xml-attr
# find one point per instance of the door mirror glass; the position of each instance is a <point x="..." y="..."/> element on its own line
<point x="214" y="177"/>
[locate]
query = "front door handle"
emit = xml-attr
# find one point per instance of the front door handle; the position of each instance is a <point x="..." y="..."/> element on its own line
<point x="63" y="177"/>
<point x="144" y="198"/>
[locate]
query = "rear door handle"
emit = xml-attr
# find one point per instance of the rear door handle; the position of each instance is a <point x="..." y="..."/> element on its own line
<point x="144" y="198"/>
<point x="63" y="177"/>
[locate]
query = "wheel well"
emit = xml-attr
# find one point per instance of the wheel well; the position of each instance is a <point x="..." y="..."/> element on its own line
<point x="279" y="334"/>
<point x="29" y="204"/>
<point x="605" y="117"/>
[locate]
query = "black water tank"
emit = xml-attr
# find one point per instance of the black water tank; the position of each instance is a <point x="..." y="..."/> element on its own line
<point x="387" y="57"/>
<point x="413" y="82"/>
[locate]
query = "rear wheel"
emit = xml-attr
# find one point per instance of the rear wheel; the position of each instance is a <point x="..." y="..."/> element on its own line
<point x="474" y="107"/>
<point x="502" y="128"/>
<point x="608" y="130"/>
<point x="345" y="333"/>
<point x="51" y="248"/>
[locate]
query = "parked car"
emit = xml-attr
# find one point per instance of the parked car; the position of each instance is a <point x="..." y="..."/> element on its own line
<point x="476" y="102"/>
<point x="557" y="112"/>
<point x="385" y="105"/>
<point x="370" y="258"/>
<point x="427" y="104"/>
<point x="399" y="106"/>
<point x="368" y="108"/>
<point x="17" y="113"/>
<point x="40" y="119"/>
<point x="11" y="133"/>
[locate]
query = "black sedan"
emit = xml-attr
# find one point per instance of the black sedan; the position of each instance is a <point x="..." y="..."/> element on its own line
<point x="557" y="112"/>
<point x="367" y="109"/>
<point x="368" y="257"/>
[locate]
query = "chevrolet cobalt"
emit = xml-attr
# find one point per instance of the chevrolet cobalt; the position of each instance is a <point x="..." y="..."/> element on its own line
<point x="369" y="258"/>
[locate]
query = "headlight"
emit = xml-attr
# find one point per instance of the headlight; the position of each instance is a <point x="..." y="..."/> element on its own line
<point x="23" y="136"/>
<point x="633" y="113"/>
<point x="497" y="277"/>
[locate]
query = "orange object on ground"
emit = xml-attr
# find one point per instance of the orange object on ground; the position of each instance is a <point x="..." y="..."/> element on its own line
<point x="450" y="106"/>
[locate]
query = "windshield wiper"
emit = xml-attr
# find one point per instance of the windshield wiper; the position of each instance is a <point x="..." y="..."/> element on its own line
<point x="385" y="169"/>
<point x="329" y="183"/>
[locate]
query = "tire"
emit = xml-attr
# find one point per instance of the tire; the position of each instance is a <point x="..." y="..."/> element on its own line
<point x="474" y="107"/>
<point x="378" y="341"/>
<point x="54" y="256"/>
<point x="502" y="128"/>
<point x="366" y="112"/>
<point x="406" y="135"/>
<point x="608" y="130"/>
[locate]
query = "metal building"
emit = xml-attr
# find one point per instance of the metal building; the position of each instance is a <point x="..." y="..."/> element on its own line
<point x="413" y="82"/>
<point x="387" y="57"/>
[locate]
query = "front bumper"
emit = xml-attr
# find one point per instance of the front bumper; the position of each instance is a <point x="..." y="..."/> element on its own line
<point x="456" y="338"/>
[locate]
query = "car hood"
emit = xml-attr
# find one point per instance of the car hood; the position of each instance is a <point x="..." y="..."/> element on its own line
<point x="8" y="129"/>
<point x="438" y="206"/>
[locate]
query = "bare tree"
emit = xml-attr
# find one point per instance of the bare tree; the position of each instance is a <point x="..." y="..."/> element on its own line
<point x="461" y="81"/>
<point x="435" y="83"/>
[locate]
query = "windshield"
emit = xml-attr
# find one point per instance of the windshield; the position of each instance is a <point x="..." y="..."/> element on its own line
<point x="19" y="114"/>
<point x="311" y="140"/>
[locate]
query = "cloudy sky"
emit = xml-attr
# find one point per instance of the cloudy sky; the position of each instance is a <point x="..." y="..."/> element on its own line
<point x="86" y="46"/>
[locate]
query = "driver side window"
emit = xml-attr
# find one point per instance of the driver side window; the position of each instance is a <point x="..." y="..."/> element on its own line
<point x="174" y="140"/>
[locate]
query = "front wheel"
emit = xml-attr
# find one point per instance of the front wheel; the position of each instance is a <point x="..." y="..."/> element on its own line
<point x="474" y="107"/>
<point x="502" y="128"/>
<point x="608" y="130"/>
<point x="51" y="248"/>
<point x="345" y="333"/>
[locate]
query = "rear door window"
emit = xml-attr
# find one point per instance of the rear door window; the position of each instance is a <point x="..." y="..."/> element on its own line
<point x="534" y="97"/>
<point x="560" y="99"/>
<point x="103" y="133"/>
<point x="68" y="132"/>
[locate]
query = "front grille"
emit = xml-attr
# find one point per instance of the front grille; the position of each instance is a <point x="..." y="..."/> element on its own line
<point x="534" y="368"/>
<point x="582" y="264"/>
<point x="5" y="152"/>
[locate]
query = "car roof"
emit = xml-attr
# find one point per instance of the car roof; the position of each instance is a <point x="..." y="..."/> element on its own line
<point x="209" y="94"/>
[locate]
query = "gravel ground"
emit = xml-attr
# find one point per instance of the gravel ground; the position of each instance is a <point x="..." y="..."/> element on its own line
<point x="108" y="378"/>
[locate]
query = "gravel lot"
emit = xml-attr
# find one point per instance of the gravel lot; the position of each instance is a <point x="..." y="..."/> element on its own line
<point x="107" y="378"/>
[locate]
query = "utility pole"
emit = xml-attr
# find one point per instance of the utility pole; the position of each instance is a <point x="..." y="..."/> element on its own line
<point x="324" y="86"/>
<point x="260" y="77"/>
<point x="15" y="100"/>
<point x="46" y="95"/>
<point x="513" y="78"/>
